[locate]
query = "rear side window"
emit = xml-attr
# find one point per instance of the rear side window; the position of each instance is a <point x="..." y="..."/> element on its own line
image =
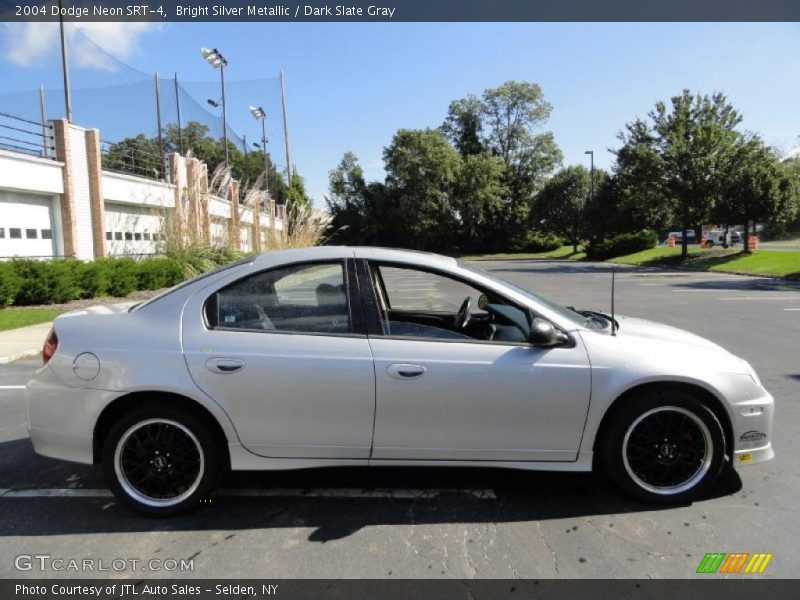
<point x="303" y="298"/>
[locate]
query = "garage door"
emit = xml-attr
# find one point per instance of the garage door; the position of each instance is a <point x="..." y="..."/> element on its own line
<point x="26" y="225"/>
<point x="131" y="229"/>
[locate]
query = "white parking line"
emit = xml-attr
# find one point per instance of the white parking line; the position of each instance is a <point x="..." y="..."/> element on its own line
<point x="482" y="494"/>
<point x="12" y="387"/>
<point x="791" y="309"/>
<point x="784" y="298"/>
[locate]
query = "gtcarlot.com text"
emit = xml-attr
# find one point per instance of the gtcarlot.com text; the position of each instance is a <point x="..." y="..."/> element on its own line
<point x="47" y="562"/>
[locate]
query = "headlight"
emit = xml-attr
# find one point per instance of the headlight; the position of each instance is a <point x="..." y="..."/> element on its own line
<point x="752" y="372"/>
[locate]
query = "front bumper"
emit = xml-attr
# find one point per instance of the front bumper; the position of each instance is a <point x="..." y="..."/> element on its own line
<point x="752" y="409"/>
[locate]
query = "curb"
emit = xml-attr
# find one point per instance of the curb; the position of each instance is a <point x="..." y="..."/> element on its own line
<point x="4" y="360"/>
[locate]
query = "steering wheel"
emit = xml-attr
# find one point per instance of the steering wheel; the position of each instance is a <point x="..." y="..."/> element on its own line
<point x="462" y="318"/>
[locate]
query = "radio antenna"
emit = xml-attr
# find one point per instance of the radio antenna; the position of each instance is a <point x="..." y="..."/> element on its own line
<point x="613" y="320"/>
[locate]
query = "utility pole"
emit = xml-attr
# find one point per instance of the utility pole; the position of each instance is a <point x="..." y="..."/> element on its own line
<point x="286" y="133"/>
<point x="245" y="172"/>
<point x="218" y="61"/>
<point x="264" y="150"/>
<point x="591" y="170"/>
<point x="45" y="134"/>
<point x="158" y="123"/>
<point x="224" y="113"/>
<point x="178" y="106"/>
<point x="65" y="64"/>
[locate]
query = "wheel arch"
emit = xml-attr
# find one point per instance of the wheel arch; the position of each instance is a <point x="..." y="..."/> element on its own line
<point x="121" y="405"/>
<point x="706" y="396"/>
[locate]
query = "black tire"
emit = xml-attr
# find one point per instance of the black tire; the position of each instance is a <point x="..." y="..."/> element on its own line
<point x="135" y="442"/>
<point x="688" y="451"/>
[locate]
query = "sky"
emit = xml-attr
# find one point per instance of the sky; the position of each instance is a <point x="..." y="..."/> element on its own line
<point x="351" y="86"/>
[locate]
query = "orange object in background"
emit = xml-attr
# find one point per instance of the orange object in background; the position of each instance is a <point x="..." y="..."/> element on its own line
<point x="671" y="241"/>
<point x="704" y="242"/>
<point x="752" y="242"/>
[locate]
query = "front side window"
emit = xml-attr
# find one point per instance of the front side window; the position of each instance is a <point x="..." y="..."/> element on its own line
<point x="416" y="303"/>
<point x="304" y="298"/>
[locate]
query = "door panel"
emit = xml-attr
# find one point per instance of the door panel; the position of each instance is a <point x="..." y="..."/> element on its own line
<point x="295" y="388"/>
<point x="479" y="401"/>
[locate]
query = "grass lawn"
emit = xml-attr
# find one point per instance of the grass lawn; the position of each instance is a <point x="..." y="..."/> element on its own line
<point x="11" y="318"/>
<point x="774" y="263"/>
<point x="564" y="253"/>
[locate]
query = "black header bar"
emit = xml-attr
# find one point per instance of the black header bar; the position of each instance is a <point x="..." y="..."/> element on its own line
<point x="403" y="10"/>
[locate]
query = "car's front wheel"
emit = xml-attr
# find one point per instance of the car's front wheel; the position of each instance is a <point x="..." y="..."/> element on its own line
<point x="664" y="446"/>
<point x="161" y="461"/>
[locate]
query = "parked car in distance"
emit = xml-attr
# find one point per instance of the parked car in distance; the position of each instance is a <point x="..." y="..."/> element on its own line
<point x="691" y="236"/>
<point x="339" y="356"/>
<point x="719" y="237"/>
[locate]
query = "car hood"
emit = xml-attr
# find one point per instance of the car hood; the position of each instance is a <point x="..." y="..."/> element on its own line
<point x="630" y="326"/>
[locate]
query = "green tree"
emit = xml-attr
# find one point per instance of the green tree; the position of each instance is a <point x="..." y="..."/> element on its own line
<point x="758" y="188"/>
<point x="608" y="214"/>
<point x="479" y="202"/>
<point x="463" y="125"/>
<point x="422" y="168"/>
<point x="674" y="164"/>
<point x="347" y="201"/>
<point x="137" y="155"/>
<point x="564" y="200"/>
<point x="513" y="115"/>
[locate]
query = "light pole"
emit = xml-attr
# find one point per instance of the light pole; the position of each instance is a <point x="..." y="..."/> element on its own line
<point x="215" y="59"/>
<point x="65" y="64"/>
<point x="245" y="171"/>
<point x="260" y="114"/>
<point x="591" y="170"/>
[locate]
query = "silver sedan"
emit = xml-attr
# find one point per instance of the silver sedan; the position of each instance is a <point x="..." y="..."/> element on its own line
<point x="339" y="356"/>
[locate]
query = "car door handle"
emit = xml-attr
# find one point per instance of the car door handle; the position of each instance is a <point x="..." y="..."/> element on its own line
<point x="405" y="371"/>
<point x="224" y="365"/>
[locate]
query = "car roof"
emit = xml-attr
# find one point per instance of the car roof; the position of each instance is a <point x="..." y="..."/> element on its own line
<point x="368" y="252"/>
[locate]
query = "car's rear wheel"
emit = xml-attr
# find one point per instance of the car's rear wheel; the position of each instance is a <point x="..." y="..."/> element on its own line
<point x="161" y="461"/>
<point x="664" y="446"/>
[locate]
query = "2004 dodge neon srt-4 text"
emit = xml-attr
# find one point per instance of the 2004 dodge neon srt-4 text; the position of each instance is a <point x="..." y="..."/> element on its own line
<point x="366" y="356"/>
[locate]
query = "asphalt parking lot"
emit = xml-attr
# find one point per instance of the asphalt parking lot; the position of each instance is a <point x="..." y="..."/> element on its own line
<point x="464" y="523"/>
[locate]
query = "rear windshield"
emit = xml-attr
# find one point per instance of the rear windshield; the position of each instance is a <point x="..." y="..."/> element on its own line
<point x="182" y="285"/>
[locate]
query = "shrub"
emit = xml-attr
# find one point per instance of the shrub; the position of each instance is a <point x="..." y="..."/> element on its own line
<point x="121" y="275"/>
<point x="45" y="282"/>
<point x="157" y="273"/>
<point x="620" y="245"/>
<point x="197" y="258"/>
<point x="537" y="242"/>
<point x="10" y="284"/>
<point x="91" y="278"/>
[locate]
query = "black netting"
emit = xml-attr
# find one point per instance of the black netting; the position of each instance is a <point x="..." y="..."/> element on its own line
<point x="125" y="106"/>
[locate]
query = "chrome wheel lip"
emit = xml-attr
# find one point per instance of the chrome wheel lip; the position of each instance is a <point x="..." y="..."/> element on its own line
<point x="695" y="478"/>
<point x="135" y="494"/>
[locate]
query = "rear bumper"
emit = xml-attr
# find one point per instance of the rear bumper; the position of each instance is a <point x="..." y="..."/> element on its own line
<point x="66" y="446"/>
<point x="61" y="419"/>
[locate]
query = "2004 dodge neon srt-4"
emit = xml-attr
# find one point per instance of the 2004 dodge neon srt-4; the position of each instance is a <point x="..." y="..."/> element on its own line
<point x="365" y="356"/>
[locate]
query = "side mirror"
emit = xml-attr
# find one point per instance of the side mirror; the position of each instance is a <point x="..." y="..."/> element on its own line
<point x="543" y="333"/>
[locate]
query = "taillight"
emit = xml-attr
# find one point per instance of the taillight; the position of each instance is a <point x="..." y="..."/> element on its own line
<point x="50" y="346"/>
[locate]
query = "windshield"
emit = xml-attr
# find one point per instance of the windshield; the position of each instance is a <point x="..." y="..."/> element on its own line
<point x="567" y="313"/>
<point x="182" y="285"/>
